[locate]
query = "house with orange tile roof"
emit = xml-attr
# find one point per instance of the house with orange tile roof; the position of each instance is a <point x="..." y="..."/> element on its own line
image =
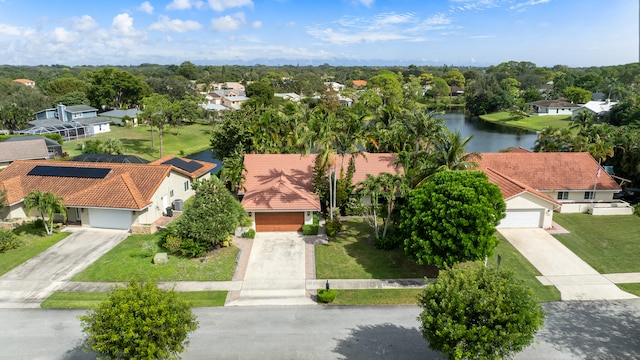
<point x="278" y="188"/>
<point x="104" y="195"/>
<point x="25" y="82"/>
<point x="534" y="185"/>
<point x="359" y="83"/>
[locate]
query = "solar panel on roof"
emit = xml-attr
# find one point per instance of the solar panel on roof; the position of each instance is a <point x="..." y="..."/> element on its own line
<point x="70" y="171"/>
<point x="188" y="166"/>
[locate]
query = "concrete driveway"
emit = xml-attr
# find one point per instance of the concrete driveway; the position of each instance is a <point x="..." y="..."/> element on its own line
<point x="275" y="273"/>
<point x="29" y="284"/>
<point x="573" y="277"/>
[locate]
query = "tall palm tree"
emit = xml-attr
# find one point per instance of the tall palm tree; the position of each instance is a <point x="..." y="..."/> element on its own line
<point x="233" y="171"/>
<point x="46" y="204"/>
<point x="583" y="120"/>
<point x="372" y="187"/>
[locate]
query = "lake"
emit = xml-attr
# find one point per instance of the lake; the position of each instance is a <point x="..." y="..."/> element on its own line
<point x="487" y="137"/>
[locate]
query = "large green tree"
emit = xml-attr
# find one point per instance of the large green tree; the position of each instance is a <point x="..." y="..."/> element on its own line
<point x="47" y="204"/>
<point x="452" y="218"/>
<point x="115" y="88"/>
<point x="139" y="321"/>
<point x="209" y="220"/>
<point x="474" y="312"/>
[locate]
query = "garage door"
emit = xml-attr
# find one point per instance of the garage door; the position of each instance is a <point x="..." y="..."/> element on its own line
<point x="522" y="219"/>
<point x="286" y="221"/>
<point x="110" y="219"/>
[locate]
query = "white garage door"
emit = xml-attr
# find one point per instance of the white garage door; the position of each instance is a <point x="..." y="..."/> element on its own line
<point x="522" y="219"/>
<point x="110" y="219"/>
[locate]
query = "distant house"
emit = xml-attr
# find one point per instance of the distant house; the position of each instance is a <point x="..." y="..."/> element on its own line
<point x="230" y="99"/>
<point x="456" y="90"/>
<point x="335" y="86"/>
<point x="26" y="82"/>
<point x="597" y="108"/>
<point x="71" y="122"/>
<point x="28" y="148"/>
<point x="54" y="147"/>
<point x="289" y="96"/>
<point x="359" y="83"/>
<point x="119" y="117"/>
<point x="552" y="107"/>
<point x="104" y="195"/>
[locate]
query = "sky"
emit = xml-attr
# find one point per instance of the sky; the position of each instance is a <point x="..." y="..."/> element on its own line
<point x="576" y="33"/>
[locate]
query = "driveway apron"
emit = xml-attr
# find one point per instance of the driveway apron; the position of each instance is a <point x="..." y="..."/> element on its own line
<point x="275" y="273"/>
<point x="27" y="285"/>
<point x="573" y="277"/>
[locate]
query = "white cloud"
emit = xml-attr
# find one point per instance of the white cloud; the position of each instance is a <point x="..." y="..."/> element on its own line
<point x="175" y="25"/>
<point x="521" y="6"/>
<point x="62" y="35"/>
<point x="228" y="22"/>
<point x="179" y="5"/>
<point x="123" y="24"/>
<point x="256" y="24"/>
<point x="146" y="7"/>
<point x="221" y="5"/>
<point x="472" y="5"/>
<point x="343" y="38"/>
<point x="10" y="30"/>
<point x="84" y="23"/>
<point x="392" y="18"/>
<point x="481" y="36"/>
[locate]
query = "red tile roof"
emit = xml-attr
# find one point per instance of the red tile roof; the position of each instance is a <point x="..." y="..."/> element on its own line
<point x="511" y="188"/>
<point x="285" y="181"/>
<point x="358" y="83"/>
<point x="126" y="186"/>
<point x="549" y="171"/>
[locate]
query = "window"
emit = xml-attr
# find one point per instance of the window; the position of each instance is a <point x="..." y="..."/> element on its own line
<point x="186" y="185"/>
<point x="589" y="195"/>
<point x="563" y="195"/>
<point x="170" y="193"/>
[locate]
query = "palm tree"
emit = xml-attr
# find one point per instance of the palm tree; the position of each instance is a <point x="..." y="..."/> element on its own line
<point x="157" y="109"/>
<point x="372" y="187"/>
<point x="233" y="170"/>
<point x="46" y="204"/>
<point x="449" y="152"/>
<point x="583" y="120"/>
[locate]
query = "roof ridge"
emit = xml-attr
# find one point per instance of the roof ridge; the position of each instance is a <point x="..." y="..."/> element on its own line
<point x="133" y="189"/>
<point x="525" y="187"/>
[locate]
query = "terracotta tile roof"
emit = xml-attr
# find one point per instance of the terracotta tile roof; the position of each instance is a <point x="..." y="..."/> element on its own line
<point x="294" y="174"/>
<point x="549" y="171"/>
<point x="127" y="186"/>
<point x="510" y="187"/>
<point x="206" y="166"/>
<point x="23" y="150"/>
<point x="280" y="194"/>
<point x="359" y="83"/>
<point x="519" y="149"/>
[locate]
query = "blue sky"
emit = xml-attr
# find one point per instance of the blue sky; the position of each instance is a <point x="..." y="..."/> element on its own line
<point x="338" y="32"/>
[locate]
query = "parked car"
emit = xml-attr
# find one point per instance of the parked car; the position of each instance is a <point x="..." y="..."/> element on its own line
<point x="630" y="195"/>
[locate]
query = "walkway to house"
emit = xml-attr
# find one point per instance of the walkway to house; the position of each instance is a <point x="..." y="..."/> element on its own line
<point x="573" y="277"/>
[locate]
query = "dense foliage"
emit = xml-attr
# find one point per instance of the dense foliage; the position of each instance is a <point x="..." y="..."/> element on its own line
<point x="208" y="221"/>
<point x="474" y="312"/>
<point x="139" y="321"/>
<point x="47" y="205"/>
<point x="8" y="241"/>
<point x="452" y="218"/>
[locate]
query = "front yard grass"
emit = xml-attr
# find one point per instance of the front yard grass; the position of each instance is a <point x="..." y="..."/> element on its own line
<point x="535" y="123"/>
<point x="349" y="256"/>
<point x="190" y="139"/>
<point x="633" y="288"/>
<point x="129" y="260"/>
<point x="34" y="241"/>
<point x="610" y="244"/>
<point x="79" y="300"/>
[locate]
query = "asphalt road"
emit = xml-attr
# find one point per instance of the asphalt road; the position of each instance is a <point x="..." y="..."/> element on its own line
<point x="573" y="330"/>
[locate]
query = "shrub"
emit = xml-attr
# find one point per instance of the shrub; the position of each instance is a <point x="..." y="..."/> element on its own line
<point x="8" y="241"/>
<point x="326" y="296"/>
<point x="393" y="240"/>
<point x="310" y="229"/>
<point x="171" y="243"/>
<point x="193" y="248"/>
<point x="228" y="241"/>
<point x="249" y="234"/>
<point x="316" y="219"/>
<point x="150" y="247"/>
<point x="636" y="209"/>
<point x="333" y="227"/>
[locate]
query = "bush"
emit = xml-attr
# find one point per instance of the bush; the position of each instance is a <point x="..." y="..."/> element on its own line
<point x="333" y="227"/>
<point x="310" y="229"/>
<point x="249" y="234"/>
<point x="171" y="243"/>
<point x="316" y="219"/>
<point x="393" y="240"/>
<point x="8" y="241"/>
<point x="326" y="296"/>
<point x="636" y="209"/>
<point x="193" y="248"/>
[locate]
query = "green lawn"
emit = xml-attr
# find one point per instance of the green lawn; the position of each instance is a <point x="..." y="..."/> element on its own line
<point x="349" y="256"/>
<point x="630" y="288"/>
<point x="534" y="123"/>
<point x="137" y="141"/>
<point x="610" y="244"/>
<point x="79" y="300"/>
<point x="377" y="297"/>
<point x="128" y="261"/>
<point x="34" y="241"/>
